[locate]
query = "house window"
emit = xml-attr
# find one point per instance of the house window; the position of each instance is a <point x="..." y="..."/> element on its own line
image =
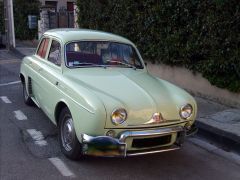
<point x="52" y="4"/>
<point x="70" y="6"/>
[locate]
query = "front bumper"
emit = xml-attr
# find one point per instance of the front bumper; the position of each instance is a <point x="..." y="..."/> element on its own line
<point x="112" y="147"/>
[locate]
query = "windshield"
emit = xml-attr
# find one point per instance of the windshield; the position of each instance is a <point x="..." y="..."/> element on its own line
<point x="101" y="53"/>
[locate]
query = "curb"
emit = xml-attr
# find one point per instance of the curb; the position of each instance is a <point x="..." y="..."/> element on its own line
<point x="227" y="140"/>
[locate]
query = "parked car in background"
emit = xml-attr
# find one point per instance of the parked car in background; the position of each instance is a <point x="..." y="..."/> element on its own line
<point x="94" y="86"/>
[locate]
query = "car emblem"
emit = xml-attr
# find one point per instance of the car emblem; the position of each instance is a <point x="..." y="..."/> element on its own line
<point x="156" y="119"/>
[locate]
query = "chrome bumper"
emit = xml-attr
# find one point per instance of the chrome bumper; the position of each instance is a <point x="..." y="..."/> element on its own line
<point x="192" y="131"/>
<point x="112" y="147"/>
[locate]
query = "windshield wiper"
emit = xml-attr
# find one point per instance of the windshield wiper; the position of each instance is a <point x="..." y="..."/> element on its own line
<point x="82" y="64"/>
<point x="122" y="63"/>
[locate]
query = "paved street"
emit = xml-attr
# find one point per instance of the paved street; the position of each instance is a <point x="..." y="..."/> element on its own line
<point x="29" y="148"/>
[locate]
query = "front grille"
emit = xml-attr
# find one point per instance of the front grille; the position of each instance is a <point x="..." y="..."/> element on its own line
<point x="151" y="142"/>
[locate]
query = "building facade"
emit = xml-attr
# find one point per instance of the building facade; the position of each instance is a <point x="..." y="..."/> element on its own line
<point x="59" y="5"/>
<point x="57" y="14"/>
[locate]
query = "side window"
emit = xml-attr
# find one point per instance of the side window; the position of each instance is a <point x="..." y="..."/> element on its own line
<point x="55" y="53"/>
<point x="43" y="47"/>
<point x="39" y="51"/>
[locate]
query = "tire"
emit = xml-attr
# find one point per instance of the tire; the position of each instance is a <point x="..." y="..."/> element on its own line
<point x="27" y="99"/>
<point x="70" y="146"/>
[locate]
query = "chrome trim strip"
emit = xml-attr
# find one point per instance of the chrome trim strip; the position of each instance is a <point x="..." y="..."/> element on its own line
<point x="154" y="123"/>
<point x="153" y="152"/>
<point x="163" y="125"/>
<point x="156" y="132"/>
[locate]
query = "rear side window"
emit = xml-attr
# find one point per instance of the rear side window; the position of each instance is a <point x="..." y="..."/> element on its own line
<point x="55" y="53"/>
<point x="43" y="47"/>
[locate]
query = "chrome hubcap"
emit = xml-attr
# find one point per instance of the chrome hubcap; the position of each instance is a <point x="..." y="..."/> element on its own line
<point x="68" y="134"/>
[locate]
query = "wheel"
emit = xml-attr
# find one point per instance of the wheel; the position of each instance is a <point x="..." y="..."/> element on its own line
<point x="26" y="97"/>
<point x="69" y="143"/>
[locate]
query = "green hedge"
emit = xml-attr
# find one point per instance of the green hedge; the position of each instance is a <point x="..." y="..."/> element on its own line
<point x="202" y="35"/>
<point x="23" y="8"/>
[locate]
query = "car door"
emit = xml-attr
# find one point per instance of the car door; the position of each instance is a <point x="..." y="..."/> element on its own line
<point x="35" y="78"/>
<point x="50" y="72"/>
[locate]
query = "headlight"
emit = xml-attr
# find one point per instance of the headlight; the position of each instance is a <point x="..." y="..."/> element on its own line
<point x="186" y="111"/>
<point x="119" y="116"/>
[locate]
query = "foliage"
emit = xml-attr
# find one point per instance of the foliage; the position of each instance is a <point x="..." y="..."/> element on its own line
<point x="23" y="8"/>
<point x="202" y="35"/>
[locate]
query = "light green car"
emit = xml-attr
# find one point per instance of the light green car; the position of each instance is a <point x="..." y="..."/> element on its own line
<point x="95" y="87"/>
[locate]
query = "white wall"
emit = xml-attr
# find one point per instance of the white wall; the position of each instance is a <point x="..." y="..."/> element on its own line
<point x="195" y="84"/>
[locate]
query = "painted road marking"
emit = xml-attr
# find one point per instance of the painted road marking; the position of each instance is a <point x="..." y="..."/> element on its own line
<point x="10" y="83"/>
<point x="216" y="150"/>
<point x="37" y="137"/>
<point x="9" y="61"/>
<point x="5" y="99"/>
<point x="62" y="168"/>
<point x="19" y="115"/>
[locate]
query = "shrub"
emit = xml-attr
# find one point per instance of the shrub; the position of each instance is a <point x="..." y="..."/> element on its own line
<point x="23" y="8"/>
<point x="202" y="35"/>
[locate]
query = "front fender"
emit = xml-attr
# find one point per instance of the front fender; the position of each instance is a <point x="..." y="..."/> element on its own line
<point x="88" y="112"/>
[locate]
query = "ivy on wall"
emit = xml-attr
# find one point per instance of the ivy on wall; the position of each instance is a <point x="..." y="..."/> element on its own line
<point x="21" y="9"/>
<point x="201" y="35"/>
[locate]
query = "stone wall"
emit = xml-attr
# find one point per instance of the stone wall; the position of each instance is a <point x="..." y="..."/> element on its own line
<point x="194" y="83"/>
<point x="43" y="23"/>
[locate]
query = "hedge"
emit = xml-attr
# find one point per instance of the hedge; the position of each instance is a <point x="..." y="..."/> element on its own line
<point x="23" y="8"/>
<point x="201" y="35"/>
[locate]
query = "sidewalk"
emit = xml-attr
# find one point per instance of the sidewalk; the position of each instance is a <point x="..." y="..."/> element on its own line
<point x="217" y="119"/>
<point x="22" y="49"/>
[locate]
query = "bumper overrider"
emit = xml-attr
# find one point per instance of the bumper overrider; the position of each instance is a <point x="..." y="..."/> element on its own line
<point x="117" y="147"/>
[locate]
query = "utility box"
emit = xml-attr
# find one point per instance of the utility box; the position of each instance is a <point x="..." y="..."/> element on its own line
<point x="32" y="22"/>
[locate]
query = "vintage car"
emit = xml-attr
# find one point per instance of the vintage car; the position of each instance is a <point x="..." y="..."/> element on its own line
<point x="95" y="87"/>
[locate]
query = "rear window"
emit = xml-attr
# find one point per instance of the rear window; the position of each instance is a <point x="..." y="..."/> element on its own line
<point x="43" y="47"/>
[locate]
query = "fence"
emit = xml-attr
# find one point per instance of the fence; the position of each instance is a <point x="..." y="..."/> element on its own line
<point x="61" y="19"/>
<point x="50" y="20"/>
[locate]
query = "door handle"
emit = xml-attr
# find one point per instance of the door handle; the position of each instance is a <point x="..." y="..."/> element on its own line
<point x="60" y="85"/>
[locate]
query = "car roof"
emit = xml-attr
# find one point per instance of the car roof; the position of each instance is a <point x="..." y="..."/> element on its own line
<point x="73" y="34"/>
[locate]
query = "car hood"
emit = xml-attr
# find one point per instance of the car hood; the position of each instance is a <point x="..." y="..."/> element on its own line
<point x="137" y="91"/>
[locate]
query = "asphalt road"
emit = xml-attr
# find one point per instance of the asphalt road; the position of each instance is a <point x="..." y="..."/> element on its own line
<point x="29" y="148"/>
